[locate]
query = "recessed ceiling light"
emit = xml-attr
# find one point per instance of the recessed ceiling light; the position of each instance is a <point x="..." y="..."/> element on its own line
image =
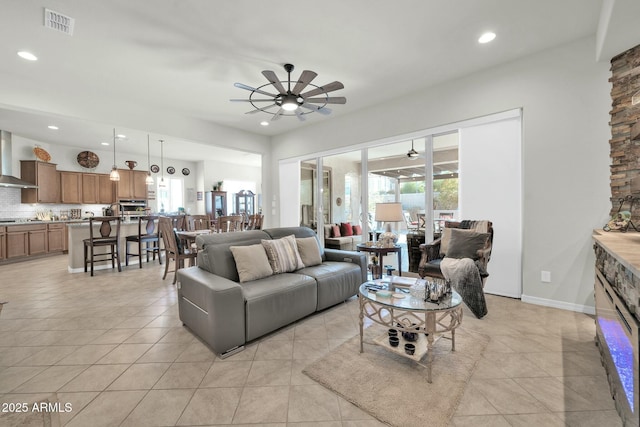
<point x="264" y="123"/>
<point x="121" y="136"/>
<point x="53" y="127"/>
<point x="487" y="37"/>
<point x="104" y="143"/>
<point x="27" y="55"/>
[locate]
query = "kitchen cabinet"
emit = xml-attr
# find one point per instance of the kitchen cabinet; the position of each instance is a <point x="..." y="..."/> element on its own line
<point x="3" y="243"/>
<point x="71" y="187"/>
<point x="24" y="240"/>
<point x="90" y="188"/>
<point x="132" y="185"/>
<point x="106" y="189"/>
<point x="45" y="176"/>
<point x="56" y="237"/>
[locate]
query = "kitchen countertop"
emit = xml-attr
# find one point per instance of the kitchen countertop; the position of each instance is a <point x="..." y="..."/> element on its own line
<point x="22" y="222"/>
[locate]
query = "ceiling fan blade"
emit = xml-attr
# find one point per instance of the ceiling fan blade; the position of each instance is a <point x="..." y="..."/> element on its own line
<point x="301" y="116"/>
<point x="277" y="115"/>
<point x="251" y="100"/>
<point x="323" y="89"/>
<point x="321" y="110"/>
<point x="328" y="100"/>
<point x="303" y="81"/>
<point x="253" y="89"/>
<point x="265" y="109"/>
<point x="273" y="79"/>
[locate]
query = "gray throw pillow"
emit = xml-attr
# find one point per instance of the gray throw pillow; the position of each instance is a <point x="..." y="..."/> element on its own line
<point x="309" y="251"/>
<point x="466" y="243"/>
<point x="251" y="262"/>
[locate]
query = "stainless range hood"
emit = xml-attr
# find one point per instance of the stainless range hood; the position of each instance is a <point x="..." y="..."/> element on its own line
<point x="6" y="178"/>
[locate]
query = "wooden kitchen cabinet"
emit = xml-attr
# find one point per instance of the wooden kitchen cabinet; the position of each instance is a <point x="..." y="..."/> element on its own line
<point x="106" y="189"/>
<point x="90" y="188"/>
<point x="56" y="237"/>
<point x="71" y="187"/>
<point x="25" y="240"/>
<point x="3" y="243"/>
<point x="132" y="185"/>
<point x="45" y="176"/>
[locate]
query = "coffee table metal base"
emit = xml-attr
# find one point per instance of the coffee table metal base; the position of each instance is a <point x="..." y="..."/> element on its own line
<point x="429" y="325"/>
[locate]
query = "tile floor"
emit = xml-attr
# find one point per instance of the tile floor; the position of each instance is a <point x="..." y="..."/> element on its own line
<point x="112" y="345"/>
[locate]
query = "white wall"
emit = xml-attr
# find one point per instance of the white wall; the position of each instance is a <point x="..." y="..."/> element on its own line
<point x="565" y="99"/>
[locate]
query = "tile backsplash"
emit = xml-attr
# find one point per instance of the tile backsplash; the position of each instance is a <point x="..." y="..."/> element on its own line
<point x="10" y="206"/>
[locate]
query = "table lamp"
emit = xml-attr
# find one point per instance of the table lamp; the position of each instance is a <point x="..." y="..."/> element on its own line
<point x="387" y="213"/>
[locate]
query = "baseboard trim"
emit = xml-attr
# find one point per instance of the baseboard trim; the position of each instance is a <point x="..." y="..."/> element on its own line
<point x="580" y="308"/>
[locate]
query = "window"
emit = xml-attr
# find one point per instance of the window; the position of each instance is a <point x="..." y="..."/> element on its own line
<point x="170" y="195"/>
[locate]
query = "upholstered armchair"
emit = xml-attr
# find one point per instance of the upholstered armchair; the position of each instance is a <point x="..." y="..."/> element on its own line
<point x="461" y="256"/>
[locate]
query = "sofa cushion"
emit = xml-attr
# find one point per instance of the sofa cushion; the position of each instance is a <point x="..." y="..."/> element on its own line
<point x="357" y="230"/>
<point x="277" y="300"/>
<point x="444" y="241"/>
<point x="327" y="231"/>
<point x="299" y="232"/>
<point x="251" y="262"/>
<point x="466" y="243"/>
<point x="309" y="251"/>
<point x="337" y="281"/>
<point x="283" y="254"/>
<point x="335" y="231"/>
<point x="345" y="229"/>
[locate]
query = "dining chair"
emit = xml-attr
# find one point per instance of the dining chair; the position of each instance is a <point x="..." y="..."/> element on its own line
<point x="229" y="223"/>
<point x="105" y="239"/>
<point x="147" y="239"/>
<point x="198" y="222"/>
<point x="179" y="222"/>
<point x="255" y="222"/>
<point x="173" y="247"/>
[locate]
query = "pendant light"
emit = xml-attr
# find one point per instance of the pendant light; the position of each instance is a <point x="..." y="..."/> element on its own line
<point x="114" y="175"/>
<point x="149" y="179"/>
<point x="161" y="183"/>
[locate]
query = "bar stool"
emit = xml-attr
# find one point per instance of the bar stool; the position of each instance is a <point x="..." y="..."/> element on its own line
<point x="148" y="236"/>
<point x="104" y="240"/>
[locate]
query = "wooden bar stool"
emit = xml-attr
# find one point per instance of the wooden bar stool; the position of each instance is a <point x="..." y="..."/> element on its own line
<point x="147" y="240"/>
<point x="105" y="239"/>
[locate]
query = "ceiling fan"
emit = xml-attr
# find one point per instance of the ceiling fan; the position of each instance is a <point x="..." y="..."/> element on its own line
<point x="412" y="154"/>
<point x="291" y="101"/>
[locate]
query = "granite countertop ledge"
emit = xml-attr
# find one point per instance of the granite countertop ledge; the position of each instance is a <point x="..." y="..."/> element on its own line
<point x="624" y="247"/>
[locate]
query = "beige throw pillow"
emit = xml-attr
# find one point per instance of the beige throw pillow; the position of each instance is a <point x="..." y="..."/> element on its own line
<point x="444" y="240"/>
<point x="309" y="251"/>
<point x="251" y="262"/>
<point x="283" y="254"/>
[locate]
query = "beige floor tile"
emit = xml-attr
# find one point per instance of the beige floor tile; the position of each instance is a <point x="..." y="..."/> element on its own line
<point x="227" y="374"/>
<point x="135" y="322"/>
<point x="354" y="423"/>
<point x="474" y="403"/>
<point x="114" y="336"/>
<point x="48" y="356"/>
<point x="159" y="407"/>
<point x="527" y="420"/>
<point x="178" y="335"/>
<point x="10" y="356"/>
<point x="87" y="354"/>
<point x="248" y="353"/>
<point x="125" y="353"/>
<point x="350" y="412"/>
<point x="310" y="349"/>
<point x="211" y="406"/>
<point x="196" y="352"/>
<point x="312" y="403"/>
<point x="274" y="350"/>
<point x="311" y="331"/>
<point x="508" y="397"/>
<point x="162" y="353"/>
<point x="269" y="373"/>
<point x="140" y="376"/>
<point x="262" y="405"/>
<point x="77" y="401"/>
<point x="183" y="375"/>
<point x="147" y="335"/>
<point x="108" y="409"/>
<point x="297" y="377"/>
<point x="165" y="322"/>
<point x="590" y="419"/>
<point x="95" y="378"/>
<point x="593" y="389"/>
<point x="555" y="395"/>
<point x="480" y="421"/>
<point x="51" y="379"/>
<point x="514" y="365"/>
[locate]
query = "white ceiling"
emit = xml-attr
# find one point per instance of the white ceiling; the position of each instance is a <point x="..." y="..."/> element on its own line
<point x="148" y="61"/>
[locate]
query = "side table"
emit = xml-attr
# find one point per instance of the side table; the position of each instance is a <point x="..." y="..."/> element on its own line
<point x="380" y="252"/>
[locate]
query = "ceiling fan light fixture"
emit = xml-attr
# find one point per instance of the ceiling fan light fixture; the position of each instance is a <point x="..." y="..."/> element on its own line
<point x="487" y="37"/>
<point x="412" y="154"/>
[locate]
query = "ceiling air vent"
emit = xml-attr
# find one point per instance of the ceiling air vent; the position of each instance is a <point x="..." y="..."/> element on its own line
<point x="59" y="22"/>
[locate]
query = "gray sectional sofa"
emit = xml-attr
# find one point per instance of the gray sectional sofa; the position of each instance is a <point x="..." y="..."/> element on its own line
<point x="226" y="314"/>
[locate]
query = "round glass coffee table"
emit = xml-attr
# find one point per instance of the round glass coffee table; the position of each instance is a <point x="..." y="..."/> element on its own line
<point x="427" y="320"/>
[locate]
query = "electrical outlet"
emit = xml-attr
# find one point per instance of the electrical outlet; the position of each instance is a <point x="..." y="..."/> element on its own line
<point x="545" y="276"/>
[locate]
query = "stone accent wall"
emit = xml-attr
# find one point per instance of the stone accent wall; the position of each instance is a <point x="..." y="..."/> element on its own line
<point x="625" y="151"/>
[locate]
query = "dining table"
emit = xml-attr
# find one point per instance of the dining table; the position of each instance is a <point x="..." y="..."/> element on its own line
<point x="189" y="236"/>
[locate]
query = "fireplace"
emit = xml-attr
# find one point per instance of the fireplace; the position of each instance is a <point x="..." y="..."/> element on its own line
<point x="617" y="339"/>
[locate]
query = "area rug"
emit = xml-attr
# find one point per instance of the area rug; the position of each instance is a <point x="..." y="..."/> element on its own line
<point x="394" y="389"/>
